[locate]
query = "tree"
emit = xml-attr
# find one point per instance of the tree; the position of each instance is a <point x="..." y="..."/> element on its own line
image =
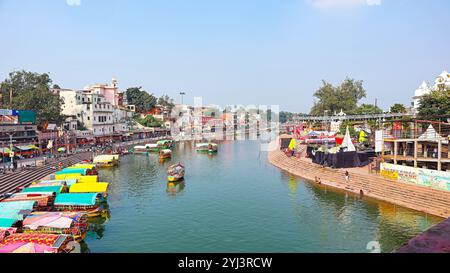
<point x="367" y="109"/>
<point x="167" y="102"/>
<point x="285" y="116"/>
<point x="148" y="121"/>
<point x="436" y="103"/>
<point x="334" y="99"/>
<point x="398" y="108"/>
<point x="143" y="101"/>
<point x="31" y="91"/>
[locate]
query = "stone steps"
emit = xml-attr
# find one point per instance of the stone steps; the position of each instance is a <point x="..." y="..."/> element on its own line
<point x="421" y="198"/>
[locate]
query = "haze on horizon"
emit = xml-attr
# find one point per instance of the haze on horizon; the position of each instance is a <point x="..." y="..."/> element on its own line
<point x="231" y="52"/>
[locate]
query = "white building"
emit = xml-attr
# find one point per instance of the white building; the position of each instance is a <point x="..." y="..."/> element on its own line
<point x="102" y="116"/>
<point x="442" y="82"/>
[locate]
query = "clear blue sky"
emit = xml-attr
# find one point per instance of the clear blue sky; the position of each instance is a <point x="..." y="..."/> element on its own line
<point x="231" y="51"/>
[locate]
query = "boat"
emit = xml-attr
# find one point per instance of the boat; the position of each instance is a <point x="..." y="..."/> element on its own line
<point x="175" y="172"/>
<point x="152" y="147"/>
<point x="106" y="160"/>
<point x="36" y="243"/>
<point x="140" y="150"/>
<point x="91" y="169"/>
<point x="206" y="147"/>
<point x="68" y="223"/>
<point x="44" y="200"/>
<point x="165" y="154"/>
<point x="165" y="143"/>
<point x="81" y="171"/>
<point x="212" y="148"/>
<point x="99" y="187"/>
<point x="17" y="209"/>
<point x="202" y="147"/>
<point x="81" y="202"/>
<point x="80" y="178"/>
<point x="45" y="189"/>
<point x="67" y="183"/>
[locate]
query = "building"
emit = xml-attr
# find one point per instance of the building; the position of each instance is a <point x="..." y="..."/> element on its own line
<point x="99" y="108"/>
<point x="441" y="83"/>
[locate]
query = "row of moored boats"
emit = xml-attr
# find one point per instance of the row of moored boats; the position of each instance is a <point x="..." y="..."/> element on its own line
<point x="50" y="216"/>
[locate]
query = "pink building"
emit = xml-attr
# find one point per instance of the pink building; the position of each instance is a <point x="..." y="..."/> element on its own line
<point x="109" y="92"/>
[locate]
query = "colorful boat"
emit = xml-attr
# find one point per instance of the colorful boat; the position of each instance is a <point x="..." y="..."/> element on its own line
<point x="17" y="209"/>
<point x="106" y="160"/>
<point x="100" y="187"/>
<point x="91" y="169"/>
<point x="66" y="183"/>
<point x="152" y="147"/>
<point x="213" y="148"/>
<point x="44" y="200"/>
<point x="165" y="154"/>
<point x="202" y="147"/>
<point x="35" y="243"/>
<point x="81" y="202"/>
<point x="81" y="171"/>
<point x="78" y="177"/>
<point x="140" y="150"/>
<point x="45" y="189"/>
<point x="68" y="223"/>
<point x="165" y="143"/>
<point x="175" y="172"/>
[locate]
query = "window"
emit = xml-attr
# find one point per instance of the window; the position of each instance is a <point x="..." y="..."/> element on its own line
<point x="89" y="118"/>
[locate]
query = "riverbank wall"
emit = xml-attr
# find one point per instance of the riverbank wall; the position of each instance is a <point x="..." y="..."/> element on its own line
<point x="416" y="197"/>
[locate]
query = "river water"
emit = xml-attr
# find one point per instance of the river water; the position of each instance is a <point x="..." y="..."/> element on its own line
<point x="236" y="201"/>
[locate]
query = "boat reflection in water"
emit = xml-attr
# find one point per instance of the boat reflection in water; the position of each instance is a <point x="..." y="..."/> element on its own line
<point x="174" y="188"/>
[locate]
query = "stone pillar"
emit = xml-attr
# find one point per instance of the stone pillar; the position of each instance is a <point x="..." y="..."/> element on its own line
<point x="395" y="152"/>
<point x="416" y="145"/>
<point x="439" y="165"/>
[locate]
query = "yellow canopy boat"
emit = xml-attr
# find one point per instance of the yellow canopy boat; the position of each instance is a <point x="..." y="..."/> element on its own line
<point x="80" y="178"/>
<point x="100" y="187"/>
<point x="106" y="160"/>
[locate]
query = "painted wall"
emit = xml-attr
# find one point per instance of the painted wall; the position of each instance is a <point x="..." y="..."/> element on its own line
<point x="424" y="177"/>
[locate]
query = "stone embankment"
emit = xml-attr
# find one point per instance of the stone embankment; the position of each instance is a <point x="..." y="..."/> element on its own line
<point x="420" y="198"/>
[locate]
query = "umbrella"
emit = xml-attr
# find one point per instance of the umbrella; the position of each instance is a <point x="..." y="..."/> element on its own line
<point x="62" y="149"/>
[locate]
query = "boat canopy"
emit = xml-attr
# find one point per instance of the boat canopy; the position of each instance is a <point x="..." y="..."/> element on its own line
<point x="82" y="166"/>
<point x="201" y="145"/>
<point x="76" y="199"/>
<point x="67" y="182"/>
<point x="78" y="177"/>
<point x="13" y="210"/>
<point x="82" y="171"/>
<point x="105" y="158"/>
<point x="100" y="187"/>
<point x="59" y="220"/>
<point x="55" y="189"/>
<point x="140" y="147"/>
<point x="33" y="243"/>
<point x="27" y="147"/>
<point x="151" y="145"/>
<point x="7" y="222"/>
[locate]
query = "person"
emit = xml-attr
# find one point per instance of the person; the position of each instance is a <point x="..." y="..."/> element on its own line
<point x="347" y="176"/>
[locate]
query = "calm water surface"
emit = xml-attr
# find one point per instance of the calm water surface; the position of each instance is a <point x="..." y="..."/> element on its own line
<point x="236" y="201"/>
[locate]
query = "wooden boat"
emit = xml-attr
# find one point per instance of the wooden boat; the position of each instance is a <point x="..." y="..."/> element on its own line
<point x="44" y="199"/>
<point x="165" y="143"/>
<point x="90" y="203"/>
<point x="36" y="243"/>
<point x="152" y="147"/>
<point x="206" y="147"/>
<point x="17" y="210"/>
<point x="106" y="160"/>
<point x="140" y="150"/>
<point x="202" y="147"/>
<point x="79" y="178"/>
<point x="68" y="223"/>
<point x="91" y="169"/>
<point x="175" y="172"/>
<point x="212" y="148"/>
<point x="165" y="153"/>
<point x="81" y="171"/>
<point x="67" y="183"/>
<point x="99" y="187"/>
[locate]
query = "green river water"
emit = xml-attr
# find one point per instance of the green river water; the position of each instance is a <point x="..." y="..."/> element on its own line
<point x="236" y="201"/>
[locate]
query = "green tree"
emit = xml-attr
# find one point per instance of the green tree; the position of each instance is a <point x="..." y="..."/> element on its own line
<point x="31" y="91"/>
<point x="436" y="103"/>
<point x="143" y="101"/>
<point x="334" y="99"/>
<point x="148" y="121"/>
<point x="367" y="109"/>
<point x="398" y="108"/>
<point x="285" y="116"/>
<point x="167" y="102"/>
